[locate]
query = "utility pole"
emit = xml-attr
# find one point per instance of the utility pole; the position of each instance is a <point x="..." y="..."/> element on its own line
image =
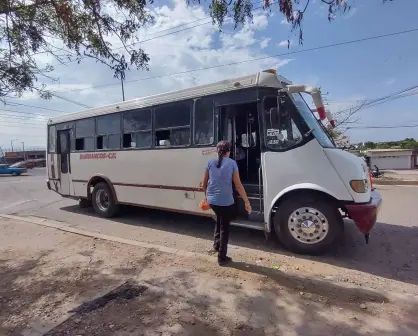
<point x="24" y="153"/>
<point x="123" y="90"/>
<point x="11" y="144"/>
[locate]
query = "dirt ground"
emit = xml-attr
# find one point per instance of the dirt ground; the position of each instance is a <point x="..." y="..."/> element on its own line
<point x="55" y="283"/>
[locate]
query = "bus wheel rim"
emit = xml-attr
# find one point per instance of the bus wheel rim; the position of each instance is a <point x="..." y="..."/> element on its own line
<point x="308" y="225"/>
<point x="102" y="200"/>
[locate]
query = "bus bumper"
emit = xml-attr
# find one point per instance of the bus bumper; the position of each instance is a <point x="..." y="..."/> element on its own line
<point x="365" y="215"/>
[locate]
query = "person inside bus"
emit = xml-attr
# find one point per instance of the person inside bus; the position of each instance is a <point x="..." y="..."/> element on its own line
<point x="217" y="185"/>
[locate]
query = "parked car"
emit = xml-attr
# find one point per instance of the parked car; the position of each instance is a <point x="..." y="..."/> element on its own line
<point x="6" y="170"/>
<point x="29" y="164"/>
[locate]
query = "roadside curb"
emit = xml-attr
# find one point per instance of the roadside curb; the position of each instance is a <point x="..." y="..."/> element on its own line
<point x="394" y="182"/>
<point x="390" y="295"/>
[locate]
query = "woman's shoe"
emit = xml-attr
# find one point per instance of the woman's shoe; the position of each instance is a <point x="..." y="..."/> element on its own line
<point x="223" y="262"/>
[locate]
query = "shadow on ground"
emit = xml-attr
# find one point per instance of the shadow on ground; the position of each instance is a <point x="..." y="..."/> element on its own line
<point x="391" y="252"/>
<point x="186" y="302"/>
<point x="33" y="289"/>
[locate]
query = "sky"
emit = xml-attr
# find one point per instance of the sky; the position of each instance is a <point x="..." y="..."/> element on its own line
<point x="347" y="74"/>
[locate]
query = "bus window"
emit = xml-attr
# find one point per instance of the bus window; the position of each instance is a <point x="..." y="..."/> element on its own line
<point x="84" y="135"/>
<point x="52" y="139"/>
<point x="281" y="131"/>
<point x="108" y="132"/>
<point x="203" y="122"/>
<point x="172" y="125"/>
<point x="137" y="129"/>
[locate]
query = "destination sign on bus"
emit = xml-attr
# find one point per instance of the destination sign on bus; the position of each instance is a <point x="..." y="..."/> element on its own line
<point x="98" y="156"/>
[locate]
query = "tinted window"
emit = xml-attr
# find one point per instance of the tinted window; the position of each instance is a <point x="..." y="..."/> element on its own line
<point x="174" y="115"/>
<point x="109" y="124"/>
<point x="142" y="139"/>
<point x="113" y="141"/>
<point x="204" y="123"/>
<point x="84" y="144"/>
<point x="281" y="131"/>
<point x="173" y="137"/>
<point x="137" y="121"/>
<point x="84" y="128"/>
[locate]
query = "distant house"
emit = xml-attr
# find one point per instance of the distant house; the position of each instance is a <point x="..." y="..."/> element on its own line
<point x="392" y="158"/>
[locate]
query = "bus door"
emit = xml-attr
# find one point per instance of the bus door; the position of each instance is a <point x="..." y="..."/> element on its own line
<point x="64" y="161"/>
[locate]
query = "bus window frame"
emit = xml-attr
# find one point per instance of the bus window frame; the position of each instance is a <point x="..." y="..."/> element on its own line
<point x="48" y="137"/>
<point x="75" y="136"/>
<point x="151" y="130"/>
<point x="295" y="117"/>
<point x="240" y="96"/>
<point x="97" y="134"/>
<point x="190" y="126"/>
<point x="212" y="98"/>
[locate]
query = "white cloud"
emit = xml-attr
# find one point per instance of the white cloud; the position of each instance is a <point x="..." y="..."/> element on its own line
<point x="196" y="48"/>
<point x="265" y="42"/>
<point x="284" y="22"/>
<point x="284" y="43"/>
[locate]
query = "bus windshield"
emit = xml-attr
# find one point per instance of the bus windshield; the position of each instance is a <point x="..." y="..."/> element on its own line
<point x="306" y="113"/>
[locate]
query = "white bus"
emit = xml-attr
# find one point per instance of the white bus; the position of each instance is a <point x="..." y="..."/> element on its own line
<point x="152" y="152"/>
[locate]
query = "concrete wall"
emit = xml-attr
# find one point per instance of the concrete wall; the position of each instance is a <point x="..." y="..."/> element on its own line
<point x="391" y="162"/>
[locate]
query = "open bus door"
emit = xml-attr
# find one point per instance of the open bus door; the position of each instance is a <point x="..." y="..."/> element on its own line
<point x="64" y="161"/>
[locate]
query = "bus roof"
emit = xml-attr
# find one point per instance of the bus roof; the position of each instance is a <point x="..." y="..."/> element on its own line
<point x="266" y="78"/>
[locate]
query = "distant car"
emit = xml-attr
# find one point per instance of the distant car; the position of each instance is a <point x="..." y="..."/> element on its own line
<point x="6" y="170"/>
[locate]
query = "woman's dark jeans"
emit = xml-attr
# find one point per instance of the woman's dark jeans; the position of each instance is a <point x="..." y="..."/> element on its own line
<point x="223" y="219"/>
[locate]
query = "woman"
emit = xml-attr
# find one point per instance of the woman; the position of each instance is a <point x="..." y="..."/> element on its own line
<point x="217" y="185"/>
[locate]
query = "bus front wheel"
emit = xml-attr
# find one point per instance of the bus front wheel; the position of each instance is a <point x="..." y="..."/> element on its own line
<point x="103" y="201"/>
<point x="308" y="224"/>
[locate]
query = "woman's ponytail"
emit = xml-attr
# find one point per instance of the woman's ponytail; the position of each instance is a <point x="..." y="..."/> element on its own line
<point x="223" y="148"/>
<point x="219" y="163"/>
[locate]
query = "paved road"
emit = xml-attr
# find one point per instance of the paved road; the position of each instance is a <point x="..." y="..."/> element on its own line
<point x="390" y="260"/>
<point x="27" y="191"/>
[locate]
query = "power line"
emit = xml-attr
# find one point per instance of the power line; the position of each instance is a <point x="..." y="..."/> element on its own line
<point x="381" y="127"/>
<point x="37" y="107"/>
<point x="21" y="112"/>
<point x="7" y="116"/>
<point x="209" y="20"/>
<point x="16" y="124"/>
<point x="70" y="100"/>
<point x="251" y="60"/>
<point x="365" y="104"/>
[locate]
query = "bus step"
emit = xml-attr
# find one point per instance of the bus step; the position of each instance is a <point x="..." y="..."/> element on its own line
<point x="256" y="216"/>
<point x="252" y="188"/>
<point x="248" y="224"/>
<point x="254" y="202"/>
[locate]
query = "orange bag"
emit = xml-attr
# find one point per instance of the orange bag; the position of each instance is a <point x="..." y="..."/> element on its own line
<point x="204" y="205"/>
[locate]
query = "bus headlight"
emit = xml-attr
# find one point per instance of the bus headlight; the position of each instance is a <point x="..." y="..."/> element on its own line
<point x="359" y="186"/>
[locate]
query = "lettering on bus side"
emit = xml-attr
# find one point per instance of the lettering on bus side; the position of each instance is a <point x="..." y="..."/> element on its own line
<point x="98" y="156"/>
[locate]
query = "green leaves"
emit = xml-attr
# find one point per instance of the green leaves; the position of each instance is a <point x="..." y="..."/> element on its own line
<point x="70" y="30"/>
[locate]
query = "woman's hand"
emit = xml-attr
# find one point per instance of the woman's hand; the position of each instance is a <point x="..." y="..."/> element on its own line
<point x="248" y="207"/>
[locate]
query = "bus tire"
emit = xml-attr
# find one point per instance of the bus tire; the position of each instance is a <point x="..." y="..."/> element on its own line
<point x="103" y="200"/>
<point x="308" y="224"/>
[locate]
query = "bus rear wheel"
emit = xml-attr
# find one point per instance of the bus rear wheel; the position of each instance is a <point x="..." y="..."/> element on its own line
<point x="308" y="224"/>
<point x="103" y="201"/>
